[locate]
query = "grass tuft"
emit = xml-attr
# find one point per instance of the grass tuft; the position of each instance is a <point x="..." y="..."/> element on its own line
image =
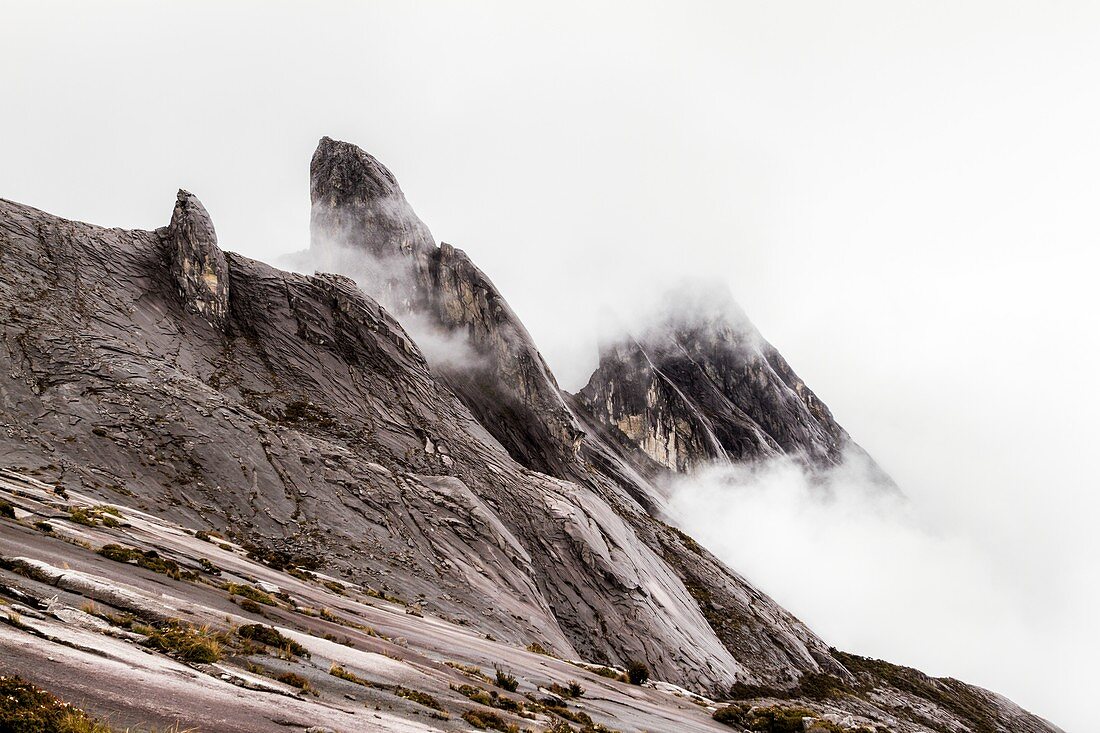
<point x="150" y="560"/>
<point x="189" y="643"/>
<point x="506" y="681"/>
<point x="253" y="594"/>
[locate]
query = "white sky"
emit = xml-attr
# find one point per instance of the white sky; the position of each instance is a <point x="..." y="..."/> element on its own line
<point x="902" y="195"/>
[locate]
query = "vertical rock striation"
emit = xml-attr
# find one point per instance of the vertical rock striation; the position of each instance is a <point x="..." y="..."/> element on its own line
<point x="700" y="384"/>
<point x="198" y="266"/>
<point x="361" y="225"/>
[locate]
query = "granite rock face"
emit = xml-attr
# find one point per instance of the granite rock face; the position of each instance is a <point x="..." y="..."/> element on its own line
<point x="312" y="428"/>
<point x="362" y="226"/>
<point x="701" y="384"/>
<point x="198" y="265"/>
<point x="320" y="427"/>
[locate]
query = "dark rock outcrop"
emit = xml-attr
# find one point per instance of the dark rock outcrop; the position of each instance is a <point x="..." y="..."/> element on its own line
<point x="197" y="264"/>
<point x="701" y="384"/>
<point x="362" y="226"/>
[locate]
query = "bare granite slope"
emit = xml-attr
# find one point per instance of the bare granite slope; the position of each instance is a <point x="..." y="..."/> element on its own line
<point x="310" y="426"/>
<point x="296" y="417"/>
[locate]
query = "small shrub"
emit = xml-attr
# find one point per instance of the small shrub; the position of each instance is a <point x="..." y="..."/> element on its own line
<point x="337" y="671"/>
<point x="506" y="681"/>
<point x="337" y="588"/>
<point x="278" y="559"/>
<point x="301" y="574"/>
<point x="296" y="680"/>
<point x="573" y="689"/>
<point x="470" y="669"/>
<point x="7" y="510"/>
<point x="538" y="648"/>
<point x="189" y="643"/>
<point x="776" y="719"/>
<point x="483" y="719"/>
<point x="82" y="516"/>
<point x="247" y="591"/>
<point x="26" y="569"/>
<point x="560" y="726"/>
<point x="506" y="703"/>
<point x="99" y="514"/>
<point x="43" y="526"/>
<point x="561" y="711"/>
<point x="637" y="672"/>
<point x="474" y="693"/>
<point x="149" y="560"/>
<point x="249" y="605"/>
<point x="609" y="673"/>
<point x="421" y="698"/>
<point x="731" y="715"/>
<point x="271" y="636"/>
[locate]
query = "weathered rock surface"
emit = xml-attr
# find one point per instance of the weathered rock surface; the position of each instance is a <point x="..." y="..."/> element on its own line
<point x="308" y="426"/>
<point x="362" y="226"/>
<point x="202" y="277"/>
<point x="312" y="426"/>
<point x="701" y="384"/>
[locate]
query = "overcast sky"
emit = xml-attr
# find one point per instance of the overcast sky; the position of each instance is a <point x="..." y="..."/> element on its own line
<point x="902" y="196"/>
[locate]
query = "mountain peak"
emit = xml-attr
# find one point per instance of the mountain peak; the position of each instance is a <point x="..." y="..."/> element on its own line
<point x="345" y="173"/>
<point x="362" y="226"/>
<point x="698" y="383"/>
<point x="703" y="308"/>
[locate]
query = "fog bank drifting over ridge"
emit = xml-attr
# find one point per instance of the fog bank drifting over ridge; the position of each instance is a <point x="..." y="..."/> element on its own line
<point x="882" y="574"/>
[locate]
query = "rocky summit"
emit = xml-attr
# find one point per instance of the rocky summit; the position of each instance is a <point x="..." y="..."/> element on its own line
<point x="700" y="384"/>
<point x="239" y="498"/>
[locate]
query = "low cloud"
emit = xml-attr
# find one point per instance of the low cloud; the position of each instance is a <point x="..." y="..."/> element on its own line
<point x="392" y="282"/>
<point x="445" y="349"/>
<point x="876" y="573"/>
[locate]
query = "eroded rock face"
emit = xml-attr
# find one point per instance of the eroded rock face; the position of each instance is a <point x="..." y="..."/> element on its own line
<point x="700" y="384"/>
<point x="362" y="226"/>
<point x="313" y="427"/>
<point x="198" y="265"/>
<point x="310" y="426"/>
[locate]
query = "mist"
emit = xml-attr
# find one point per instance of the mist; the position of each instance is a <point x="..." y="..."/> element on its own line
<point x="390" y="280"/>
<point x="901" y="577"/>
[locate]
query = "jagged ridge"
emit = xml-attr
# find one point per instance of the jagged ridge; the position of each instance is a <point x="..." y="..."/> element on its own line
<point x="308" y="423"/>
<point x="701" y="384"/>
